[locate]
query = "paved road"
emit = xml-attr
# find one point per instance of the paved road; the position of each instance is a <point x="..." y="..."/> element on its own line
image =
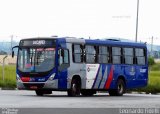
<point x="28" y="99"/>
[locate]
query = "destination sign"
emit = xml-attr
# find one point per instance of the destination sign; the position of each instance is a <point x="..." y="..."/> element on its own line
<point x="37" y="42"/>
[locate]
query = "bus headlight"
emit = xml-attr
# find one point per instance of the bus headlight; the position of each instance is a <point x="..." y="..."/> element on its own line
<point x="51" y="77"/>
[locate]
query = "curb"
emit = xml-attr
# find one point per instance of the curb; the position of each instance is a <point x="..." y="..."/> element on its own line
<point x="134" y="92"/>
<point x="8" y="88"/>
<point x="143" y="93"/>
<point x="5" y="88"/>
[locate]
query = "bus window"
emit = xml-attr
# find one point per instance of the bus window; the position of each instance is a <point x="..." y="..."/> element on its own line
<point x="140" y="56"/>
<point x="63" y="56"/>
<point x="116" y="55"/>
<point x="77" y="53"/>
<point x="90" y="54"/>
<point x="103" y="55"/>
<point x="63" y="59"/>
<point x="128" y="55"/>
<point x="66" y="57"/>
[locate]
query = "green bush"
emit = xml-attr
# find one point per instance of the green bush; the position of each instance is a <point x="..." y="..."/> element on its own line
<point x="9" y="76"/>
<point x="8" y="84"/>
<point x="155" y="67"/>
<point x="151" y="61"/>
<point x="153" y="83"/>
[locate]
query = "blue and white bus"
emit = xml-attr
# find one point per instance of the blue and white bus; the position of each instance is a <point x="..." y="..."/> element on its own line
<point x="80" y="66"/>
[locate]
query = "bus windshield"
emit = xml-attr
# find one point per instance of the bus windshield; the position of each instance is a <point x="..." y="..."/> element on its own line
<point x="36" y="59"/>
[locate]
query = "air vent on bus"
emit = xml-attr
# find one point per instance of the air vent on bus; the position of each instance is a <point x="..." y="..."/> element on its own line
<point x="67" y="37"/>
<point x="54" y="36"/>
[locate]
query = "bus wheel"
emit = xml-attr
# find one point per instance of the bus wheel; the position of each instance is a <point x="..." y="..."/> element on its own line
<point x="120" y="89"/>
<point x="39" y="93"/>
<point x="75" y="88"/>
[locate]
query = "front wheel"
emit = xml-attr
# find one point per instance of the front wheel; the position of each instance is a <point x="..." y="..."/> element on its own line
<point x="75" y="88"/>
<point x="120" y="89"/>
<point x="39" y="93"/>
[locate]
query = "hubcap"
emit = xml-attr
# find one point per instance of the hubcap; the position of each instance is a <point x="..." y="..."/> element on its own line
<point x="74" y="88"/>
<point x="120" y="88"/>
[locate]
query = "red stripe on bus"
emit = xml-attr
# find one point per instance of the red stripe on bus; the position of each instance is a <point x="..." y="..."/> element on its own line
<point x="110" y="78"/>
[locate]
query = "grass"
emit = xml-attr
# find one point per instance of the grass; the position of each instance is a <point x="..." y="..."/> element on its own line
<point x="153" y="82"/>
<point x="155" y="67"/>
<point x="9" y="76"/>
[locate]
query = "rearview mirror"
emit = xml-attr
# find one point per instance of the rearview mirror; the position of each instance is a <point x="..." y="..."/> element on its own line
<point x="13" y="51"/>
<point x="12" y="54"/>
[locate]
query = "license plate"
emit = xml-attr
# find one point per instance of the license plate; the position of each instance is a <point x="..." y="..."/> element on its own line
<point x="33" y="87"/>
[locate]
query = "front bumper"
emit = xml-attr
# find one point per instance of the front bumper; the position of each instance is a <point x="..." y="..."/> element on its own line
<point x="37" y="85"/>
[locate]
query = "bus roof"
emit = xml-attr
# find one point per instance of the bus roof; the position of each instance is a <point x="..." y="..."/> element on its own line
<point x="106" y="42"/>
<point x="116" y="43"/>
<point x="92" y="41"/>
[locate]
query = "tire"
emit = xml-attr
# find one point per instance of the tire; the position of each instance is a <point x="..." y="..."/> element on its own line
<point x="120" y="89"/>
<point x="88" y="92"/>
<point x="75" y="88"/>
<point x="39" y="93"/>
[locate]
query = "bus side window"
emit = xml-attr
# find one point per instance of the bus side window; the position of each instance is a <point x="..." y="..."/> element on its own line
<point x="116" y="55"/>
<point x="103" y="54"/>
<point x="60" y="57"/>
<point x="63" y="59"/>
<point x="65" y="56"/>
<point x="90" y="54"/>
<point x="128" y="55"/>
<point x="140" y="56"/>
<point x="77" y="51"/>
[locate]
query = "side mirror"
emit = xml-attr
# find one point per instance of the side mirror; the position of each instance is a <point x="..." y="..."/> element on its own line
<point x="12" y="54"/>
<point x="13" y="51"/>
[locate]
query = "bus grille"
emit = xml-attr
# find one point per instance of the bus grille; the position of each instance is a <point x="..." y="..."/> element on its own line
<point x="34" y="86"/>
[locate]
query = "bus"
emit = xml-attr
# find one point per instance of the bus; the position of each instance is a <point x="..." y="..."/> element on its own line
<point x="80" y="66"/>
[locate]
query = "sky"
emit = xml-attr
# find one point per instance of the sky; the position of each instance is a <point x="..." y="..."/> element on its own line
<point x="97" y="19"/>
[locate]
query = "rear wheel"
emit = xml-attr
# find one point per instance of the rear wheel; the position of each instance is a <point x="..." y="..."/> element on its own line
<point x="120" y="89"/>
<point x="75" y="88"/>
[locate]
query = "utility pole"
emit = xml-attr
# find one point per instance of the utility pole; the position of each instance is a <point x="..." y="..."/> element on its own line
<point x="3" y="67"/>
<point x="151" y="44"/>
<point x="152" y="39"/>
<point x="137" y="21"/>
<point x="11" y="43"/>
